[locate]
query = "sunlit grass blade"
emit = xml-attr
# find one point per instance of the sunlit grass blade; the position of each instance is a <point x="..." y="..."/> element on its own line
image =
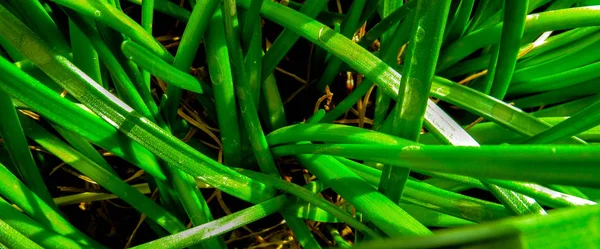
<point x="437" y="199"/>
<point x="582" y="121"/>
<point x="15" y="191"/>
<point x="34" y="230"/>
<point x="248" y="105"/>
<point x="169" y="8"/>
<point x="567" y="109"/>
<point x="107" y="14"/>
<point x="413" y="91"/>
<point x="308" y="196"/>
<point x="14" y="239"/>
<point x="88" y="125"/>
<point x="15" y="143"/>
<point x="349" y="26"/>
<point x="186" y="52"/>
<point x="565" y="228"/>
<point x="84" y="54"/>
<point x="147" y="20"/>
<point x="287" y="38"/>
<point x="557" y="81"/>
<point x="508" y="50"/>
<point x="535" y="23"/>
<point x="450" y="132"/>
<point x="573" y="56"/>
<point x="558" y="96"/>
<point x="40" y="21"/>
<point x="224" y="93"/>
<point x="102" y="176"/>
<point x="121" y="80"/>
<point x="491" y="133"/>
<point x="489" y="108"/>
<point x="219" y="226"/>
<point x="520" y="166"/>
<point x="544" y="195"/>
<point x="161" y="69"/>
<point x="132" y="124"/>
<point x="387" y="23"/>
<point x="458" y="25"/>
<point x="352" y="187"/>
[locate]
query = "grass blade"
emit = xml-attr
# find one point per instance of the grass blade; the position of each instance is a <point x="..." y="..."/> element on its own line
<point x="132" y="124"/>
<point x="15" y="143"/>
<point x="521" y="166"/>
<point x="33" y="229"/>
<point x="15" y="191"/>
<point x="413" y="94"/>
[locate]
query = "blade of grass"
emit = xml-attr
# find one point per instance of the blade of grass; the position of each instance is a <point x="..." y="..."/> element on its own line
<point x="387" y="23"/>
<point x="491" y="133"/>
<point x="521" y="165"/>
<point x="186" y="52"/>
<point x="12" y="238"/>
<point x="88" y="125"/>
<point x="15" y="191"/>
<point x="243" y="92"/>
<point x="127" y="90"/>
<point x="532" y="230"/>
<point x="535" y="23"/>
<point x="84" y="55"/>
<point x="152" y="64"/>
<point x="349" y="26"/>
<point x="489" y="108"/>
<point x="556" y="81"/>
<point x="459" y="22"/>
<point x="253" y="62"/>
<point x="308" y="196"/>
<point x="423" y="50"/>
<point x="578" y="54"/>
<point x="382" y="101"/>
<point x="251" y="18"/>
<point x="287" y="39"/>
<point x="18" y="149"/>
<point x="567" y="109"/>
<point x="247" y="105"/>
<point x="217" y="227"/>
<point x="358" y="192"/>
<point x="582" y="121"/>
<point x="274" y="113"/>
<point x="107" y="14"/>
<point x="515" y="12"/>
<point x="130" y="122"/>
<point x="144" y="188"/>
<point x="453" y="134"/>
<point x="224" y="95"/>
<point x="561" y="95"/>
<point x="551" y="48"/>
<point x="544" y="195"/>
<point x="433" y="198"/>
<point x="43" y="24"/>
<point x="147" y="19"/>
<point x="101" y="176"/>
<point x="554" y="46"/>
<point x="123" y="83"/>
<point x="168" y="8"/>
<point x="34" y="230"/>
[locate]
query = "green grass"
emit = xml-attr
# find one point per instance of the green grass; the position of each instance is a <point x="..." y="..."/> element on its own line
<point x="468" y="123"/>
